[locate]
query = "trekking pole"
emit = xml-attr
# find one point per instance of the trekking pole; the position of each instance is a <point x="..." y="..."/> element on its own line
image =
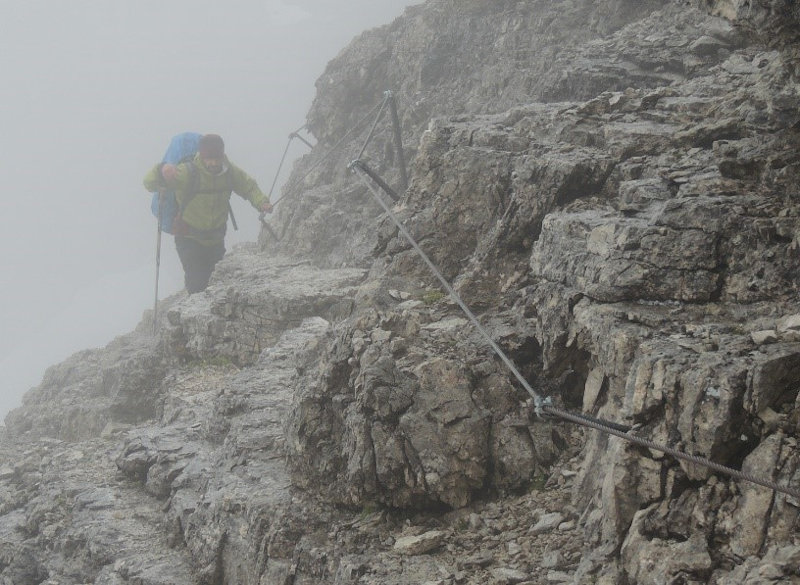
<point x="233" y="217"/>
<point x="158" y="260"/>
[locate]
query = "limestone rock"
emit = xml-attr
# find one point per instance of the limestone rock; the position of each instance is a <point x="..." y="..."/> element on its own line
<point x="611" y="186"/>
<point x="547" y="523"/>
<point x="421" y="544"/>
<point x="765" y="336"/>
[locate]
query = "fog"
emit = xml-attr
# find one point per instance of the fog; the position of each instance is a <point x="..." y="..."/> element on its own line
<point x="92" y="91"/>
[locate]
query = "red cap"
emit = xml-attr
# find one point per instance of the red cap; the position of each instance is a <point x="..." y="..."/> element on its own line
<point x="211" y="146"/>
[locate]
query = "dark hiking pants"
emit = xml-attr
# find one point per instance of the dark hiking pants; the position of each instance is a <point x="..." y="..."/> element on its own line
<point x="198" y="261"/>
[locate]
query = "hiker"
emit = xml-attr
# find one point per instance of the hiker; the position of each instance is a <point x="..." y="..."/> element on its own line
<point x="203" y="189"/>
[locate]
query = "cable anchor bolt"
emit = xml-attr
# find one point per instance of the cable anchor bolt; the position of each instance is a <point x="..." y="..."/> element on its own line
<point x="539" y="406"/>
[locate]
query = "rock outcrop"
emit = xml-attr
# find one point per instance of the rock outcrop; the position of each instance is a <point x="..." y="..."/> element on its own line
<point x="612" y="187"/>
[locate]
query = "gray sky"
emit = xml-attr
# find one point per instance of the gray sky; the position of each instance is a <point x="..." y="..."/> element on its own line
<point x="92" y="91"/>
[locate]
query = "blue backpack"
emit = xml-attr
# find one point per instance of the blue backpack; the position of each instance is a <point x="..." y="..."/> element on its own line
<point x="164" y="206"/>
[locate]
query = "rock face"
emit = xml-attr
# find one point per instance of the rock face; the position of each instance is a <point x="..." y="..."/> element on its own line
<point x="612" y="187"/>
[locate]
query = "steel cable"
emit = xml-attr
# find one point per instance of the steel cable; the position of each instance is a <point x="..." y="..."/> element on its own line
<point x="334" y="147"/>
<point x="538" y="399"/>
<point x="642" y="442"/>
<point x="542" y="405"/>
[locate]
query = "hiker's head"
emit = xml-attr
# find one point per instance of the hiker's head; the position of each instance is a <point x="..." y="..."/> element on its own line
<point x="212" y="152"/>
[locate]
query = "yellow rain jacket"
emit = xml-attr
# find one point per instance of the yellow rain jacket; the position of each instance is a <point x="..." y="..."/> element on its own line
<point x="203" y="198"/>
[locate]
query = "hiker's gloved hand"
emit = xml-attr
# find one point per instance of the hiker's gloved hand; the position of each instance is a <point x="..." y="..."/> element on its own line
<point x="266" y="207"/>
<point x="169" y="172"/>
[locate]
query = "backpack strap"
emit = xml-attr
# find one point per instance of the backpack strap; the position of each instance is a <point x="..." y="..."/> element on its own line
<point x="230" y="209"/>
<point x="192" y="191"/>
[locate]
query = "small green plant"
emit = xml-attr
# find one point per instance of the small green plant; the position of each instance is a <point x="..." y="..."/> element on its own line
<point x="462" y="525"/>
<point x="538" y="482"/>
<point x="218" y="361"/>
<point x="433" y="296"/>
<point x="368" y="510"/>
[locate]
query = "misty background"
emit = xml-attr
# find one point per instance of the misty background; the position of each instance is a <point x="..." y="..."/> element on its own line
<point x="92" y="92"/>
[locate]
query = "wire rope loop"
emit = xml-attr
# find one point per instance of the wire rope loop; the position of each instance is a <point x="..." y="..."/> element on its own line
<point x="333" y="148"/>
